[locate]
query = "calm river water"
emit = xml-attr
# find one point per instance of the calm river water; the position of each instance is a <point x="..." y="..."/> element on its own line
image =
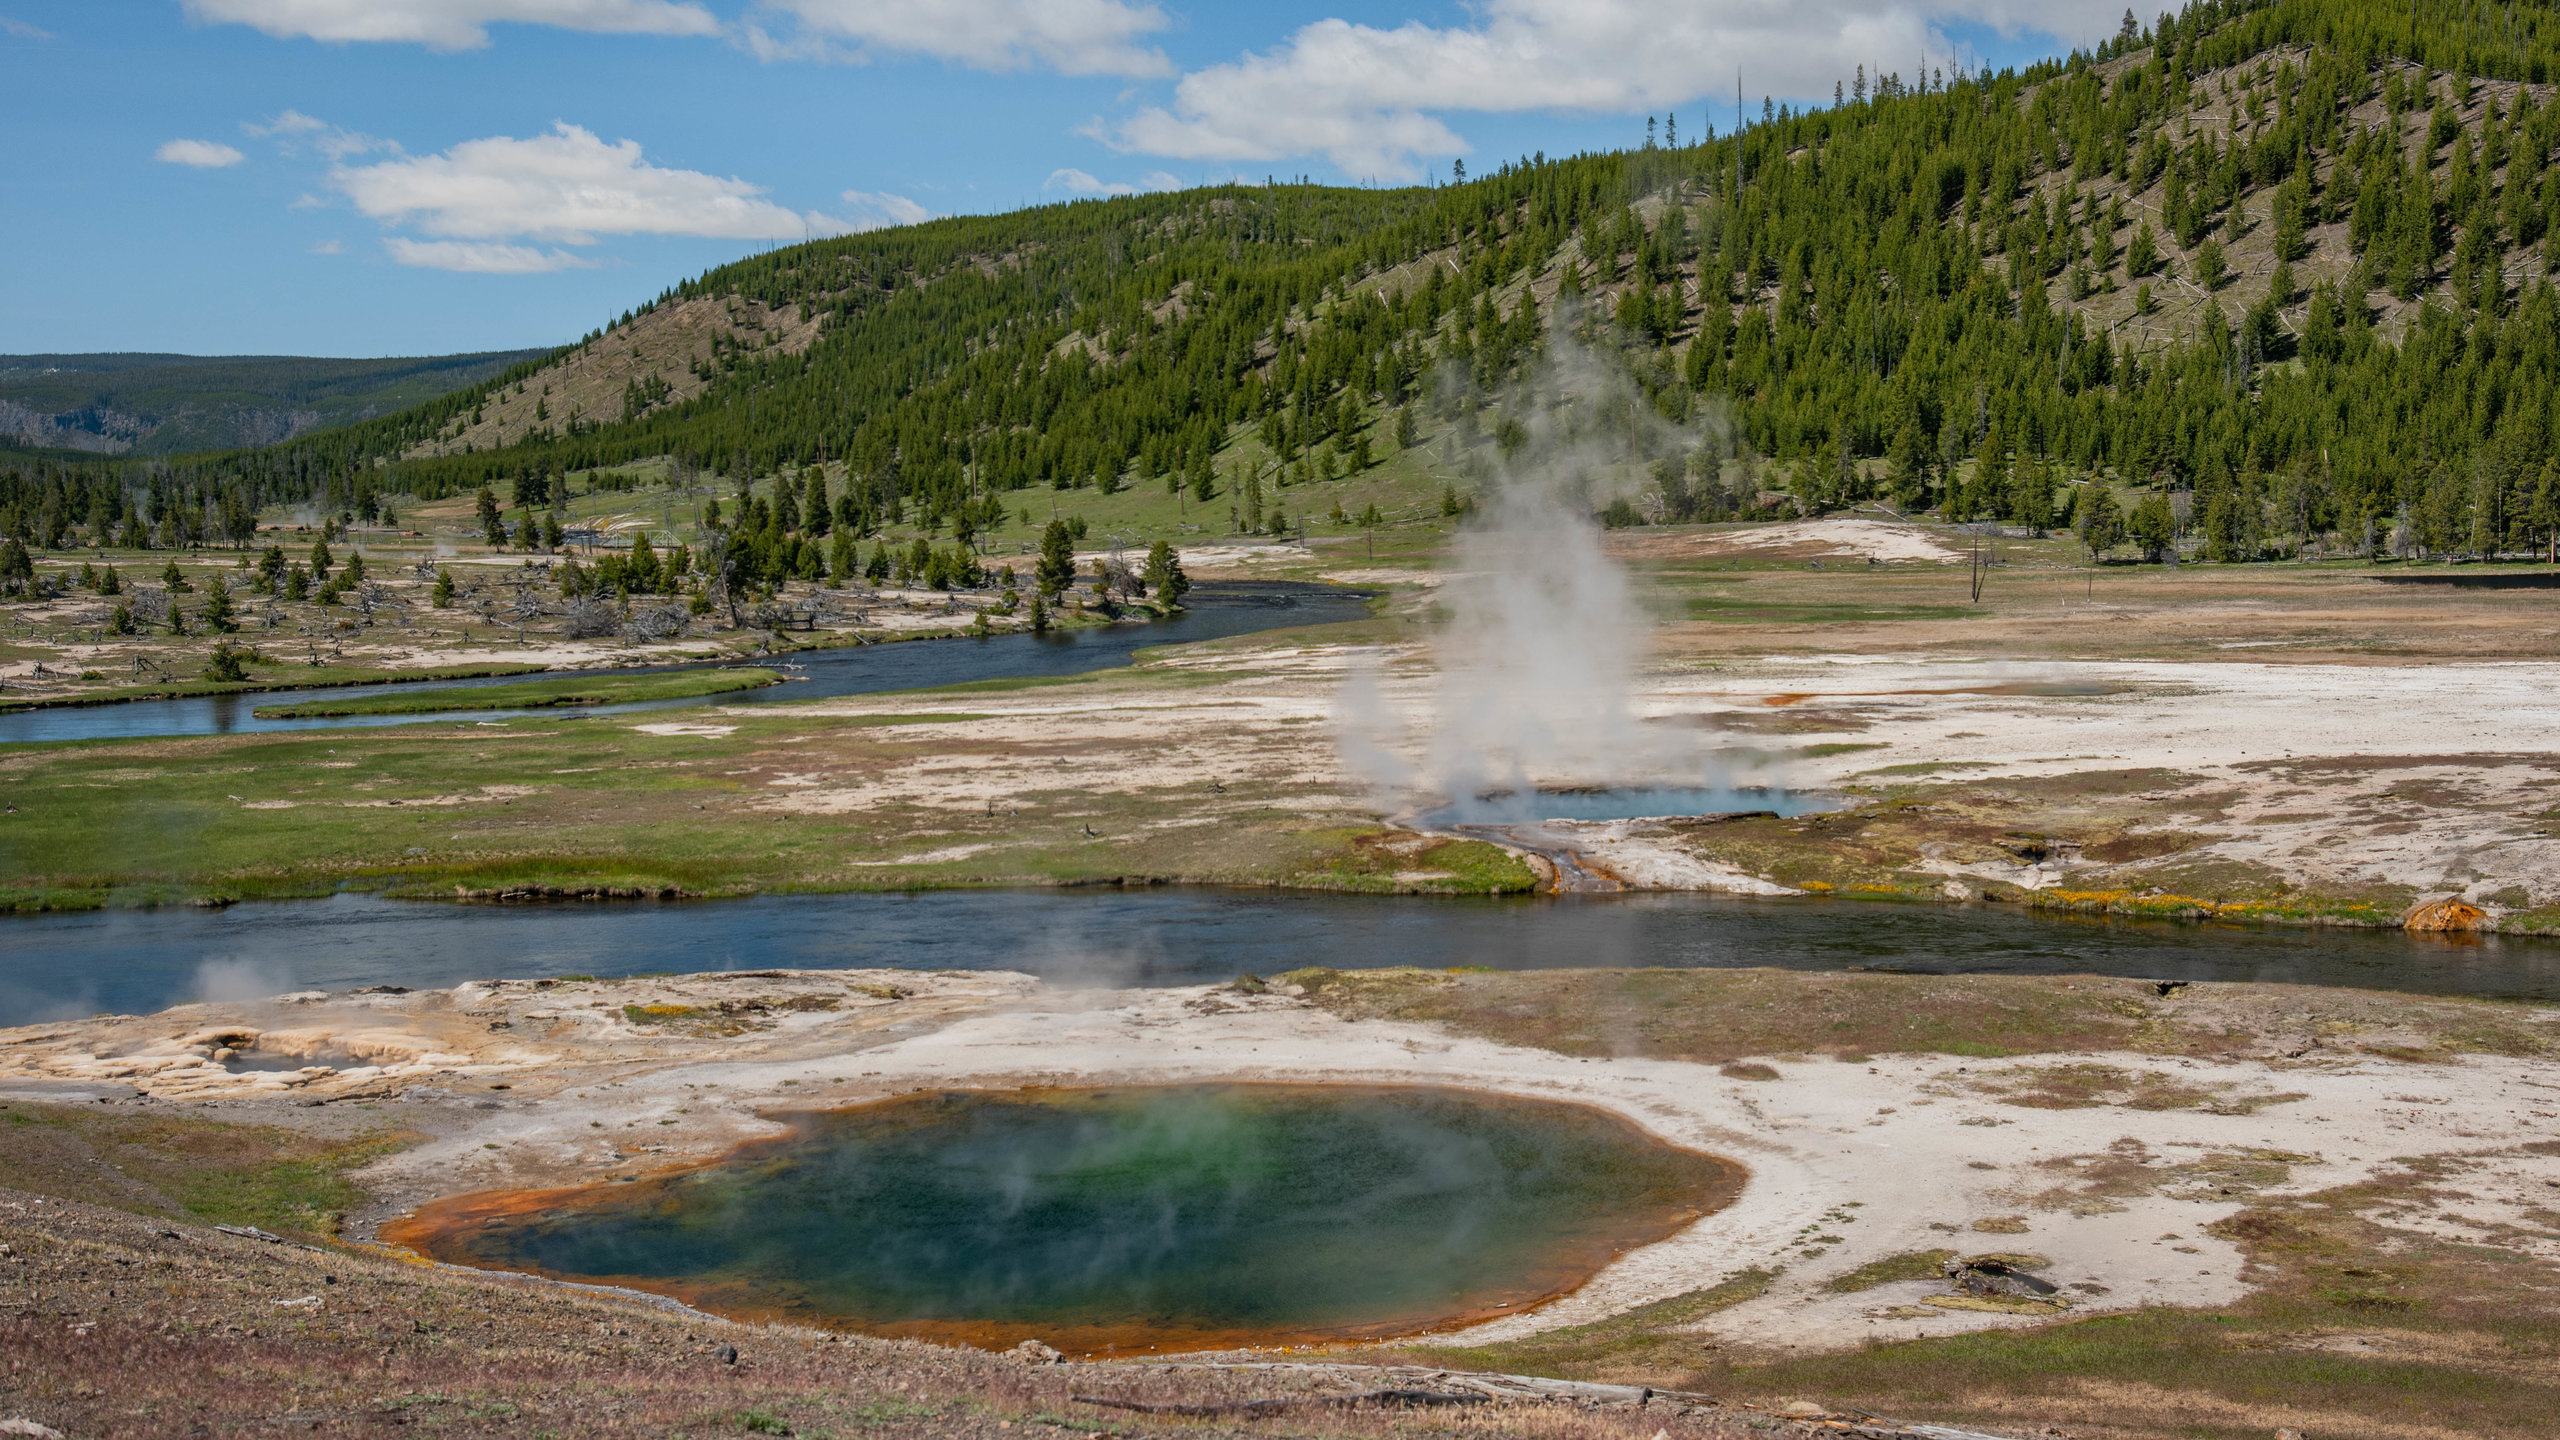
<point x="1218" y="609"/>
<point x="53" y="966"/>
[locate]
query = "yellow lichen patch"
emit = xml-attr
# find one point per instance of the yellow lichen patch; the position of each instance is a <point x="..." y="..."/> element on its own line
<point x="2000" y="1304"/>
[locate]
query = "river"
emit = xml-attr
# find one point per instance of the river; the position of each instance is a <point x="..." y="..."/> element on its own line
<point x="138" y="961"/>
<point x="1217" y="610"/>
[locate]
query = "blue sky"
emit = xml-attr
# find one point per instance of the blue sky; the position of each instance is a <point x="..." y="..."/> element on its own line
<point x="376" y="177"/>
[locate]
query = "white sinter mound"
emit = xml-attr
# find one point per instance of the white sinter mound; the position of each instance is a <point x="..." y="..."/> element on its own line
<point x="1863" y="539"/>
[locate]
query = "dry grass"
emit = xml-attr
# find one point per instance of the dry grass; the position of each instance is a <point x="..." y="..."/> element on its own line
<point x="175" y="1164"/>
<point x="2042" y="602"/>
<point x="1717" y="1017"/>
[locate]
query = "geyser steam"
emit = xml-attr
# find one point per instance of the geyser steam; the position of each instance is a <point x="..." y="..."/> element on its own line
<point x="1536" y="669"/>
<point x="1538" y="664"/>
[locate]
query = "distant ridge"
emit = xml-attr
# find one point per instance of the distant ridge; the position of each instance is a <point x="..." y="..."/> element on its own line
<point x="148" y="404"/>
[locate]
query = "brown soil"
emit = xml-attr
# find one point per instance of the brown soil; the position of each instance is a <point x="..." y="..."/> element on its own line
<point x="1720" y="1016"/>
<point x="126" y="1327"/>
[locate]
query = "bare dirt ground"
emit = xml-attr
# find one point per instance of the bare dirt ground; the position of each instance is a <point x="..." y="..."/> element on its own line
<point x="123" y="1324"/>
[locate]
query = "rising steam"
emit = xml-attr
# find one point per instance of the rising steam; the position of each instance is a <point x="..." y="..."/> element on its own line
<point x="1536" y="669"/>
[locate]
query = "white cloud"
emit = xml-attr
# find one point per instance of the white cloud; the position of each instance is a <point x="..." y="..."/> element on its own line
<point x="1366" y="97"/>
<point x="20" y="29"/>
<point x="329" y="247"/>
<point x="566" y="187"/>
<point x="452" y="24"/>
<point x="339" y="144"/>
<point x="1079" y="182"/>
<point x="1076" y="37"/>
<point x="330" y="140"/>
<point x="291" y="122"/>
<point x="878" y="210"/>
<point x="202" y="154"/>
<point x="480" y="259"/>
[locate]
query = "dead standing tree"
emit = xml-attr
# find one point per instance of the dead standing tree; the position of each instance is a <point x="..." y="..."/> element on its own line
<point x="525" y="608"/>
<point x="588" y="617"/>
<point x="651" y="624"/>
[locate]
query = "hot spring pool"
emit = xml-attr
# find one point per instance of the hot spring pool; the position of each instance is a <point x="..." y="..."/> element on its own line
<point x="1628" y="802"/>
<point x="1102" y="1220"/>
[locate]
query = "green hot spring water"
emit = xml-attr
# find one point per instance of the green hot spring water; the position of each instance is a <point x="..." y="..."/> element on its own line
<point x="1121" y="1219"/>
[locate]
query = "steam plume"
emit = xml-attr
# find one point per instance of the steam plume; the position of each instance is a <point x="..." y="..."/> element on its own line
<point x="1536" y="669"/>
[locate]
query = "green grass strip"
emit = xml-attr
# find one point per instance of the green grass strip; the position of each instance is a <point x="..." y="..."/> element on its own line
<point x="536" y="694"/>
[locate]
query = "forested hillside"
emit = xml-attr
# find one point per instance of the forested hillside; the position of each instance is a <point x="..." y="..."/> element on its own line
<point x="117" y="404"/>
<point x="2279" y="272"/>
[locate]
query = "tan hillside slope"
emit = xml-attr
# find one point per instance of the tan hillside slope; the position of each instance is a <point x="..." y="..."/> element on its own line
<point x="681" y="346"/>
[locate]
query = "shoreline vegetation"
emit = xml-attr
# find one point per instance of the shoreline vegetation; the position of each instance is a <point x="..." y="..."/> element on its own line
<point x="535" y="695"/>
<point x="1475" y="868"/>
<point x="324" y="678"/>
<point x="341" y="677"/>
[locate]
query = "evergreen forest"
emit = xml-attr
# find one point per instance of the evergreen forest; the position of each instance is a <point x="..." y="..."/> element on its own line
<point x="2250" y="281"/>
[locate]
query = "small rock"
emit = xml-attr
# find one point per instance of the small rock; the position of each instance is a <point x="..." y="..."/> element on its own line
<point x="29" y="1429"/>
<point x="2449" y="914"/>
<point x="2288" y="1434"/>
<point x="1956" y="890"/>
<point x="728" y="1354"/>
<point x="1802" y="1409"/>
<point x="1034" y="1352"/>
